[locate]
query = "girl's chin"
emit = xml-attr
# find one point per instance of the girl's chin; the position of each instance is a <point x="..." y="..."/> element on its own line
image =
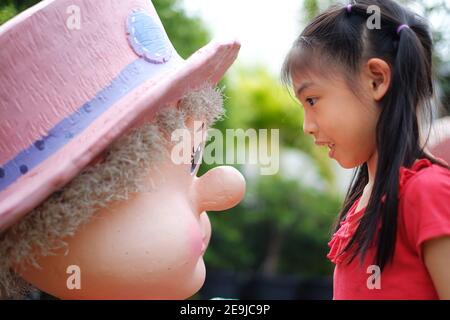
<point x="344" y="162"/>
<point x="345" y="165"/>
<point x="348" y="163"/>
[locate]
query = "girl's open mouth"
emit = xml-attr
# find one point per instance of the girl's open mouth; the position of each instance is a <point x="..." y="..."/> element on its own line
<point x="332" y="148"/>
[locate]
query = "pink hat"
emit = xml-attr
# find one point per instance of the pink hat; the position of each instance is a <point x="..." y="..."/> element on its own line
<point x="75" y="76"/>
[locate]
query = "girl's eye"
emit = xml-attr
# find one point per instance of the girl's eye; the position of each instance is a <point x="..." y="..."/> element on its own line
<point x="311" y="101"/>
<point x="196" y="157"/>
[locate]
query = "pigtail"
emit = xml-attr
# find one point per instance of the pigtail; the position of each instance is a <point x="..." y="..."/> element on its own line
<point x="398" y="135"/>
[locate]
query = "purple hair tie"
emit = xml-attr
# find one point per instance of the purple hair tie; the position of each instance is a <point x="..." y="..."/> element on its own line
<point x="349" y="8"/>
<point x="401" y="27"/>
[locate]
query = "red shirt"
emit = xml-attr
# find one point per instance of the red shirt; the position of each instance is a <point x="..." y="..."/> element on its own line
<point x="424" y="213"/>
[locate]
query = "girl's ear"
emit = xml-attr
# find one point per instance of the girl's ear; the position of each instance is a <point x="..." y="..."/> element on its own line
<point x="379" y="77"/>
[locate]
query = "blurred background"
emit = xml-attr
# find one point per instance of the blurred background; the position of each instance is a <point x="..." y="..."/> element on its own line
<point x="274" y="244"/>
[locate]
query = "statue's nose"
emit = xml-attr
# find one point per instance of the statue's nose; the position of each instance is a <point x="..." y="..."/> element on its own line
<point x="219" y="189"/>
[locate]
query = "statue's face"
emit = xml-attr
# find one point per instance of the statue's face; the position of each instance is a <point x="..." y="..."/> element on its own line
<point x="150" y="246"/>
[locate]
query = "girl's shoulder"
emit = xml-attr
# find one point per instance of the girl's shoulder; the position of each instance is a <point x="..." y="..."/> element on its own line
<point x="424" y="202"/>
<point x="424" y="177"/>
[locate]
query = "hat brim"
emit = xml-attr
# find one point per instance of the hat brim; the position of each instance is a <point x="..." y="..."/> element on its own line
<point x="206" y="66"/>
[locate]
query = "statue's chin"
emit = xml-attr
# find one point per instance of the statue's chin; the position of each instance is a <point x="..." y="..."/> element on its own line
<point x="177" y="285"/>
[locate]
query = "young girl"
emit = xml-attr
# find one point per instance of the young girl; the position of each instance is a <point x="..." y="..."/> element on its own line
<point x="365" y="85"/>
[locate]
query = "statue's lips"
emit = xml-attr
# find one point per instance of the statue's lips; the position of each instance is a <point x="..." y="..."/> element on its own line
<point x="205" y="242"/>
<point x="204" y="246"/>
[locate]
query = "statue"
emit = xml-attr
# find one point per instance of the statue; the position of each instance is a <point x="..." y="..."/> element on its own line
<point x="94" y="202"/>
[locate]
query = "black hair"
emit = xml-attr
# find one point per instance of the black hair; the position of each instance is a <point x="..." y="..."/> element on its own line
<point x="340" y="39"/>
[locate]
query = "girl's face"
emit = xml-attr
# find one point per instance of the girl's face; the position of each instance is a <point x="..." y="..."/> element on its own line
<point x="337" y="118"/>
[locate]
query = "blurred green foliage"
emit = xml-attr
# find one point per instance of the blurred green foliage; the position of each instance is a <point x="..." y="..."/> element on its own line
<point x="282" y="226"/>
<point x="7" y="11"/>
<point x="258" y="100"/>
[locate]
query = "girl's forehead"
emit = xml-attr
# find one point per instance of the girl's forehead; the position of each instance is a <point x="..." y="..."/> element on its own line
<point x="314" y="68"/>
<point x="306" y="80"/>
<point x="303" y="81"/>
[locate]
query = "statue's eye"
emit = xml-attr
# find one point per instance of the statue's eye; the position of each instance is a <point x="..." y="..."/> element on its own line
<point x="196" y="158"/>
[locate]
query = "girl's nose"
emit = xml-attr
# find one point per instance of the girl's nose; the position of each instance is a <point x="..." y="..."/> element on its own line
<point x="219" y="189"/>
<point x="309" y="127"/>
